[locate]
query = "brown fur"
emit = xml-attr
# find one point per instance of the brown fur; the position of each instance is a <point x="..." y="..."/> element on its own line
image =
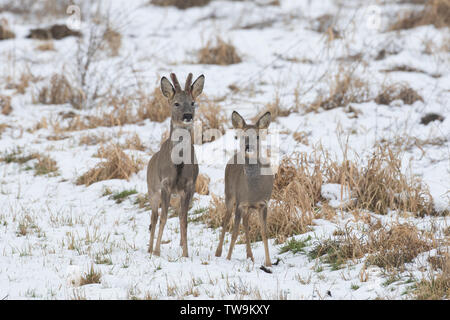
<point x="247" y="190"/>
<point x="164" y="177"/>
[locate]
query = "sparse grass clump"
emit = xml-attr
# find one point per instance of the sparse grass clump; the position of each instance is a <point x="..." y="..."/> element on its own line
<point x="437" y="285"/>
<point x="117" y="165"/>
<point x="344" y="88"/>
<point x="396" y="246"/>
<point x="398" y="91"/>
<point x="295" y="246"/>
<point x="59" y="91"/>
<point x="202" y="184"/>
<point x="5" y="105"/>
<point x="119" y="197"/>
<point x="45" y="165"/>
<point x="113" y="40"/>
<point x="434" y="12"/>
<point x="5" y="31"/>
<point x="153" y="106"/>
<point x="337" y="252"/>
<point x="211" y="116"/>
<point x="180" y="4"/>
<point x="16" y="156"/>
<point x="222" y="53"/>
<point x="90" y="277"/>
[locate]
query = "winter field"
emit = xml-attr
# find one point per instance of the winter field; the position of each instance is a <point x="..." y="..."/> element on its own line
<point x="359" y="93"/>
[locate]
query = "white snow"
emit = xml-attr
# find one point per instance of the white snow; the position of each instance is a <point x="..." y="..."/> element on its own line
<point x="71" y="228"/>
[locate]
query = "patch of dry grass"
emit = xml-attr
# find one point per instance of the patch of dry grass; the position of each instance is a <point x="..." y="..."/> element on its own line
<point x="397" y="91"/>
<point x="393" y="247"/>
<point x="59" y="91"/>
<point x="117" y="165"/>
<point x="344" y="88"/>
<point x="180" y="4"/>
<point x="434" y="12"/>
<point x="218" y="52"/>
<point x="202" y="184"/>
<point x="211" y="116"/>
<point x="45" y="165"/>
<point x="5" y="30"/>
<point x="276" y="109"/>
<point x="388" y="247"/>
<point x="113" y="40"/>
<point x="91" y="276"/>
<point x="5" y="105"/>
<point x="46" y="46"/>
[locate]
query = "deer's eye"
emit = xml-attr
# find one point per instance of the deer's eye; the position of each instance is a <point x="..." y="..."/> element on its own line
<point x="177" y="104"/>
<point x="192" y="104"/>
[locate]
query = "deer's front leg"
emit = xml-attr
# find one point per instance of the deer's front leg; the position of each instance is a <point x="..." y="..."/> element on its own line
<point x="165" y="200"/>
<point x="186" y="198"/>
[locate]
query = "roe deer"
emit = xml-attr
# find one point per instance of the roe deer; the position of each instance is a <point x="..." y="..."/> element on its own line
<point x="166" y="173"/>
<point x="247" y="187"/>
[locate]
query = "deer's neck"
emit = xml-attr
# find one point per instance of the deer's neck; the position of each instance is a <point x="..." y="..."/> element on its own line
<point x="181" y="144"/>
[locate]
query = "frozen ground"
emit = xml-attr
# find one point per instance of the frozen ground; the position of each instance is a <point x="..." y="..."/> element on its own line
<point x="71" y="227"/>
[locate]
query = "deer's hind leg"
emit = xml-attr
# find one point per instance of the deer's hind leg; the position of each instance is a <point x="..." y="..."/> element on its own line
<point x="263" y="224"/>
<point x="155" y="201"/>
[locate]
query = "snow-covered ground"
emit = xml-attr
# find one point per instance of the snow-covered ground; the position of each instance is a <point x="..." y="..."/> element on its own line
<point x="72" y="227"/>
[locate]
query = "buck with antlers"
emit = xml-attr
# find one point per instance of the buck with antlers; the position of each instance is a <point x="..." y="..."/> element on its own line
<point x="173" y="169"/>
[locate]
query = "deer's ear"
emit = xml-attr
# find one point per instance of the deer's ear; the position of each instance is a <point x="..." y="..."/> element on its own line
<point x="197" y="86"/>
<point x="264" y="121"/>
<point x="167" y="88"/>
<point x="237" y="120"/>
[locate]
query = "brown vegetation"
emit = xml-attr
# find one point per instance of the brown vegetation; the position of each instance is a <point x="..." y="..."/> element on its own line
<point x="117" y="165"/>
<point x="5" y="105"/>
<point x="180" y="4"/>
<point x="344" y="88"/>
<point x="221" y="53"/>
<point x="397" y="91"/>
<point x="435" y="12"/>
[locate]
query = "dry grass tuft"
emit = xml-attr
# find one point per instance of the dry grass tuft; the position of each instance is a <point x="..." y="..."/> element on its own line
<point x="5" y="105"/>
<point x="397" y="91"/>
<point x="394" y="247"/>
<point x="153" y="106"/>
<point x="437" y="286"/>
<point x="59" y="91"/>
<point x="344" y="88"/>
<point x="276" y="109"/>
<point x="90" y="277"/>
<point x="5" y="31"/>
<point x="211" y="116"/>
<point x="434" y="12"/>
<point x="221" y="53"/>
<point x="133" y="143"/>
<point x="113" y="40"/>
<point x="45" y="165"/>
<point x="118" y="165"/>
<point x="181" y="4"/>
<point x="388" y="247"/>
<point x="46" y="46"/>
<point x="202" y="184"/>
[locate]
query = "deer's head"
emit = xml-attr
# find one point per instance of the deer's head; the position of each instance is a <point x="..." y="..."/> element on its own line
<point x="182" y="102"/>
<point x="249" y="134"/>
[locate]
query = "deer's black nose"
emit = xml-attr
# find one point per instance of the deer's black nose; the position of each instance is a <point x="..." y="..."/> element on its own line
<point x="187" y="117"/>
